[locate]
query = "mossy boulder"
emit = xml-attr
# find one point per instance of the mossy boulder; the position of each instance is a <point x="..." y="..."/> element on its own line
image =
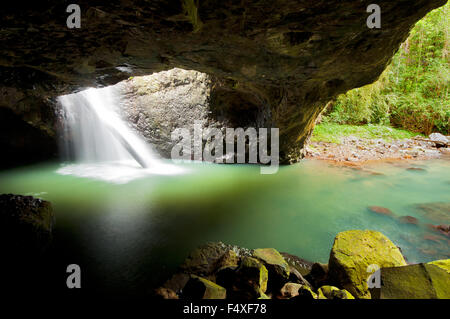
<point x="249" y="281"/>
<point x="228" y="259"/>
<point x="444" y="264"/>
<point x="353" y="251"/>
<point x="420" y="281"/>
<point x="201" y="288"/>
<point x="276" y="265"/>
<point x="331" y="292"/>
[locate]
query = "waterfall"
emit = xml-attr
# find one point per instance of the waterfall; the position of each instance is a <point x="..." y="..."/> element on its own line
<point x="99" y="140"/>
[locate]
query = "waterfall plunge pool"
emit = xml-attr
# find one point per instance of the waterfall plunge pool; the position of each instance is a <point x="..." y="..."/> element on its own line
<point x="129" y="236"/>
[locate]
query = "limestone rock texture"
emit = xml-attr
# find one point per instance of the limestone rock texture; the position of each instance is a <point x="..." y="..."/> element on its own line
<point x="278" y="62"/>
<point x="353" y="252"/>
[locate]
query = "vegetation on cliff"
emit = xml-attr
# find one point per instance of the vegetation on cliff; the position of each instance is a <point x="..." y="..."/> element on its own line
<point x="412" y="93"/>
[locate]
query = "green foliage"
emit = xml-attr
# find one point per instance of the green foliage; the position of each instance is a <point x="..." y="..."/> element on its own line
<point x="332" y="132"/>
<point x="413" y="92"/>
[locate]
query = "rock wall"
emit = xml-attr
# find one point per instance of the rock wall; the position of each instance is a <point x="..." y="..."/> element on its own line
<point x="285" y="58"/>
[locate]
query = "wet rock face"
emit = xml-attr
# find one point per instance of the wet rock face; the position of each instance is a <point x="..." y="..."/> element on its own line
<point x="284" y="58"/>
<point x="26" y="223"/>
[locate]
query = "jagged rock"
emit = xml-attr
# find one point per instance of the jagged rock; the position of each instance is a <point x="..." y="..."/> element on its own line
<point x="204" y="260"/>
<point x="289" y="290"/>
<point x="277" y="60"/>
<point x="165" y="293"/>
<point x="201" y="288"/>
<point x="301" y="265"/>
<point x="276" y="265"/>
<point x="353" y="251"/>
<point x="228" y="259"/>
<point x="420" y="281"/>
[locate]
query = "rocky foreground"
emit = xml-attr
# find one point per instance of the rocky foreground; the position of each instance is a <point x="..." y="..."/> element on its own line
<point x="358" y="150"/>
<point x="220" y="271"/>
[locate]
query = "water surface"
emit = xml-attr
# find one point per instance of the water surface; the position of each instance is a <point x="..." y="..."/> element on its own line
<point x="131" y="234"/>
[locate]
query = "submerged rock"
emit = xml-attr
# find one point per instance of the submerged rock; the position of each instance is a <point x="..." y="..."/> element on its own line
<point x="420" y="281"/>
<point x="437" y="212"/>
<point x="408" y="220"/>
<point x="381" y="210"/>
<point x="353" y="252"/>
<point x="441" y="229"/>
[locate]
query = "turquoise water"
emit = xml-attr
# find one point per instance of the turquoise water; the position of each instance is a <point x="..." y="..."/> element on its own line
<point x="134" y="234"/>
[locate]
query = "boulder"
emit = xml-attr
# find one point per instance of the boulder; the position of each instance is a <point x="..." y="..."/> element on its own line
<point x="420" y="281"/>
<point x="201" y="288"/>
<point x="204" y="260"/>
<point x="165" y="293"/>
<point x="305" y="293"/>
<point x="444" y="264"/>
<point x="250" y="280"/>
<point x="276" y="265"/>
<point x="331" y="292"/>
<point x="318" y="275"/>
<point x="289" y="290"/>
<point x="341" y="294"/>
<point x="352" y="253"/>
<point x="438" y="137"/>
<point x="228" y="259"/>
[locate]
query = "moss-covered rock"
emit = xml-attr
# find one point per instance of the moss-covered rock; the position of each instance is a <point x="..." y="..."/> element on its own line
<point x="420" y="281"/>
<point x="444" y="264"/>
<point x="201" y="288"/>
<point x="276" y="265"/>
<point x="228" y="259"/>
<point x="353" y="251"/>
<point x="331" y="292"/>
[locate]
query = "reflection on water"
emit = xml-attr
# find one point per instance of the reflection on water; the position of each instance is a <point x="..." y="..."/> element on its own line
<point x="133" y="234"/>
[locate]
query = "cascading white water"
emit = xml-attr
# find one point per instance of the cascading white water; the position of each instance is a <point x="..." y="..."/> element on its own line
<point x="101" y="142"/>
